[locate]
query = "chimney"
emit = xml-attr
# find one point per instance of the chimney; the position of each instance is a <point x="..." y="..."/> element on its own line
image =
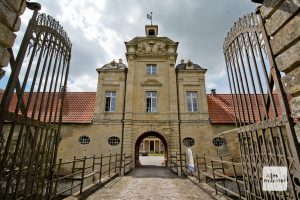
<point x="213" y="91"/>
<point x="63" y="89"/>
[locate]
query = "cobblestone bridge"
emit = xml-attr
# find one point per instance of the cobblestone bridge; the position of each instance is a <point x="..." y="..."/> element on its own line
<point x="149" y="182"/>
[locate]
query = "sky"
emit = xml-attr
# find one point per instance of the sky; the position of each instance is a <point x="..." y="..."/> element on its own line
<point x="99" y="28"/>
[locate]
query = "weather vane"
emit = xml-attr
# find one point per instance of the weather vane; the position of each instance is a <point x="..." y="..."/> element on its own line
<point x="149" y="16"/>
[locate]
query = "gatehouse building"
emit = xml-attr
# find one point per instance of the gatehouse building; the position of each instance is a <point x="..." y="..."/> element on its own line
<point x="154" y="96"/>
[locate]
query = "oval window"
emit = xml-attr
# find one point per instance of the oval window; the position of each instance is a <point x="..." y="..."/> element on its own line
<point x="188" y="141"/>
<point x="84" y="140"/>
<point x="218" y="141"/>
<point x="113" y="141"/>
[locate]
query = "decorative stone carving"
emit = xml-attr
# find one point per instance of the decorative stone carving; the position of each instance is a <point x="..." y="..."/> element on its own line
<point x="151" y="82"/>
<point x="151" y="48"/>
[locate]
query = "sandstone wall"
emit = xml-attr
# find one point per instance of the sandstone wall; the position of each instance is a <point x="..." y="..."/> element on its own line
<point x="282" y="22"/>
<point x="10" y="22"/>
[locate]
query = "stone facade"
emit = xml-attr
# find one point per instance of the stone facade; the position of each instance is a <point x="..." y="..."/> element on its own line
<point x="10" y="22"/>
<point x="282" y="21"/>
<point x="122" y="107"/>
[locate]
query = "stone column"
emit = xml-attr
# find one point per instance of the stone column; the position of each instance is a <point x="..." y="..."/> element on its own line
<point x="10" y="22"/>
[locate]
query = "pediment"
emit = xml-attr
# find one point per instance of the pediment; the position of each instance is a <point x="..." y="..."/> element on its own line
<point x="137" y="40"/>
<point x="151" y="46"/>
<point x="151" y="82"/>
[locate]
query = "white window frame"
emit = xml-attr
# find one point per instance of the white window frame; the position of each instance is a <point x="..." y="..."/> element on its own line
<point x="151" y="101"/>
<point x="111" y="97"/>
<point x="192" y="101"/>
<point x="151" y="69"/>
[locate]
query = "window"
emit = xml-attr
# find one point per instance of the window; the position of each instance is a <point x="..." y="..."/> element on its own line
<point x="151" y="102"/>
<point x="151" y="32"/>
<point x="113" y="141"/>
<point x="151" y="69"/>
<point x="218" y="141"/>
<point x="192" y="99"/>
<point x="84" y="140"/>
<point x="188" y="141"/>
<point x="110" y="101"/>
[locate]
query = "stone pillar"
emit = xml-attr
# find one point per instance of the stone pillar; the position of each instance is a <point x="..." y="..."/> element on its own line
<point x="158" y="146"/>
<point x="10" y="22"/>
<point x="282" y="23"/>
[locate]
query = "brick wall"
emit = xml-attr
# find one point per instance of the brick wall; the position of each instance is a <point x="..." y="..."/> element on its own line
<point x="10" y="22"/>
<point x="282" y="22"/>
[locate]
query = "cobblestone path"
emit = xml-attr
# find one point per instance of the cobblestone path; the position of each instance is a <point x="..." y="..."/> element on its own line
<point x="150" y="183"/>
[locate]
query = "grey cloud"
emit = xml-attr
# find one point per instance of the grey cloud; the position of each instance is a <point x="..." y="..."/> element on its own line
<point x="199" y="26"/>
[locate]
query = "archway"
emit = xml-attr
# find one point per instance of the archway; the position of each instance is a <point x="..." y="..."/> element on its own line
<point x="142" y="137"/>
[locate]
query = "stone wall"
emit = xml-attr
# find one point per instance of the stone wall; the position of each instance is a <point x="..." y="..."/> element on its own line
<point x="282" y="22"/>
<point x="10" y="22"/>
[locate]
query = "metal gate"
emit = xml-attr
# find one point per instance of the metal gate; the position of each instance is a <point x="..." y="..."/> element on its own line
<point x="31" y="109"/>
<point x="264" y="124"/>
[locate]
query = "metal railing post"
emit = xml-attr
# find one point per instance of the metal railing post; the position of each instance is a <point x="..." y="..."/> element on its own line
<point x="176" y="159"/>
<point x="198" y="169"/>
<point x="109" y="163"/>
<point x="73" y="169"/>
<point x="57" y="178"/>
<point x="223" y="171"/>
<point x="100" y="170"/>
<point x="93" y="167"/>
<point x="205" y="165"/>
<point x="82" y="174"/>
<point x="235" y="177"/>
<point x="124" y="162"/>
<point x="116" y="160"/>
<point x="214" y="178"/>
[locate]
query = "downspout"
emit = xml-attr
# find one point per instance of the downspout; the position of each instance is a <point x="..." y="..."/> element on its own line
<point x="123" y="118"/>
<point x="179" y="119"/>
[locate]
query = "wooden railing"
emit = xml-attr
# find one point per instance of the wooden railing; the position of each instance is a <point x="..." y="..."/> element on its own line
<point x="71" y="177"/>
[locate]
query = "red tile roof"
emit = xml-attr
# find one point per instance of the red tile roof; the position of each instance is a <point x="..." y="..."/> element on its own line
<point x="222" y="109"/>
<point x="79" y="107"/>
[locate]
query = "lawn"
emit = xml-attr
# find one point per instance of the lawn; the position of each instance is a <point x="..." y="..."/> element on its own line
<point x="155" y="154"/>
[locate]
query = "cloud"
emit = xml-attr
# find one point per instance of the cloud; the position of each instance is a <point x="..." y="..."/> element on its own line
<point x="98" y="30"/>
<point x="84" y="81"/>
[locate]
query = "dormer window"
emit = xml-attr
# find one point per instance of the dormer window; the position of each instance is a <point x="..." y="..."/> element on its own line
<point x="151" y="30"/>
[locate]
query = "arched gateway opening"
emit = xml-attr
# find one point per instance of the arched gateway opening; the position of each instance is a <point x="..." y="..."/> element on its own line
<point x="144" y="136"/>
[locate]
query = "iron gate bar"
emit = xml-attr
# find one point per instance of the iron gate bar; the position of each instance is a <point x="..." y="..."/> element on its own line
<point x="26" y="166"/>
<point x="249" y="117"/>
<point x="259" y="116"/>
<point x="285" y="109"/>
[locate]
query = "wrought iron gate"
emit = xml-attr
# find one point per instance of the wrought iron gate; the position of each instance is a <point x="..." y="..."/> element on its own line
<point x="30" y="121"/>
<point x="264" y="125"/>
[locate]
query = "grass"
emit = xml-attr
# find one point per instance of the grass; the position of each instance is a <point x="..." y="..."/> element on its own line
<point x="155" y="154"/>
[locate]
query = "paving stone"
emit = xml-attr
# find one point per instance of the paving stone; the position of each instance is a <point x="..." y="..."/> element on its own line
<point x="151" y="183"/>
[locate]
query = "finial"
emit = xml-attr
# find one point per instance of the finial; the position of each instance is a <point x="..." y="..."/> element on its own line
<point x="120" y="60"/>
<point x="113" y="63"/>
<point x="182" y="61"/>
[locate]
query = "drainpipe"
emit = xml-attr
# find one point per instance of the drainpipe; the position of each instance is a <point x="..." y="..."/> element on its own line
<point x="123" y="118"/>
<point x="179" y="119"/>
